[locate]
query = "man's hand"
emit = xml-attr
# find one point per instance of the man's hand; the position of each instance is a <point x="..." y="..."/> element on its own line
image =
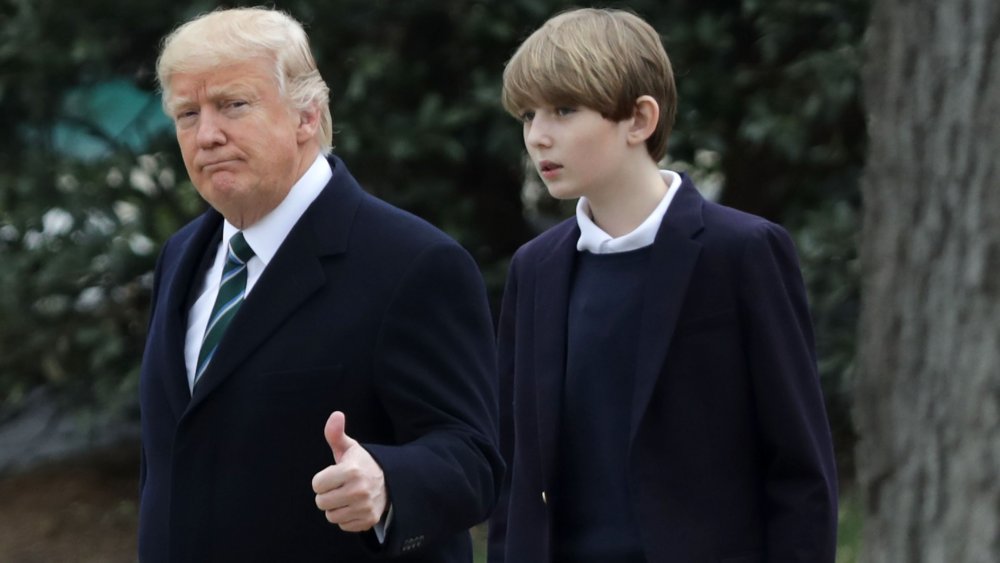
<point x="352" y="492"/>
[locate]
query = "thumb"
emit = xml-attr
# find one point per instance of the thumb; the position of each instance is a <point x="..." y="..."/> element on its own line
<point x="336" y="435"/>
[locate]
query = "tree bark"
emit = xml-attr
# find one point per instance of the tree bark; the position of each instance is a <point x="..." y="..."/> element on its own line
<point x="928" y="395"/>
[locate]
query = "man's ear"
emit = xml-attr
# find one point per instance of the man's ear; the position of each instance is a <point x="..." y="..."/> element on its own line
<point x="308" y="123"/>
<point x="645" y="118"/>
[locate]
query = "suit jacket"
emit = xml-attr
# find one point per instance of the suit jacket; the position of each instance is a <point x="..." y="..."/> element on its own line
<point x="364" y="309"/>
<point x="730" y="456"/>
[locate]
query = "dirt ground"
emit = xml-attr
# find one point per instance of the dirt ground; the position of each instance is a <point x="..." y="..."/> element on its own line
<point x="77" y="511"/>
<point x="84" y="511"/>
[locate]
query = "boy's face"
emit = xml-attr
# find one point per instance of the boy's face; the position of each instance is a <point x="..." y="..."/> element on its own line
<point x="576" y="151"/>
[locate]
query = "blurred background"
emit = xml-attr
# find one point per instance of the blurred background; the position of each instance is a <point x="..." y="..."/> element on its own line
<point x="91" y="183"/>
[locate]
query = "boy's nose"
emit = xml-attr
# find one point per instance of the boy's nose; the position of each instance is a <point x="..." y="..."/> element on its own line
<point x="536" y="135"/>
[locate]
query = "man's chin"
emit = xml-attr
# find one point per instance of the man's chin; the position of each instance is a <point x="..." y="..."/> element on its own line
<point x="221" y="195"/>
<point x="220" y="186"/>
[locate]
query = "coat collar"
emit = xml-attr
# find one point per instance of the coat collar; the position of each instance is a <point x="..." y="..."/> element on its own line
<point x="295" y="273"/>
<point x="551" y="305"/>
<point x="673" y="257"/>
<point x="196" y="253"/>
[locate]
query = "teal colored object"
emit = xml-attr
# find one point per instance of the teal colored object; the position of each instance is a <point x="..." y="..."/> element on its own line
<point x="98" y="119"/>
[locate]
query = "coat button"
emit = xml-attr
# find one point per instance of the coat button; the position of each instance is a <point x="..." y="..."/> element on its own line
<point x="544" y="499"/>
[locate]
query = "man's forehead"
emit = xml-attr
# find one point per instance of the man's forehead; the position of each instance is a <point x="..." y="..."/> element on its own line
<point x="211" y="84"/>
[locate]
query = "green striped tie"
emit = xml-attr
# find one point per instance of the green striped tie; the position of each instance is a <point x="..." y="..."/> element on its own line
<point x="231" y="292"/>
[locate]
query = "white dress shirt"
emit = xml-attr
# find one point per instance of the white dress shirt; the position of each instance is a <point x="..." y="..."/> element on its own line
<point x="593" y="239"/>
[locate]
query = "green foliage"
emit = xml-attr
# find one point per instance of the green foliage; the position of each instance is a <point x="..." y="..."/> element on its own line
<point x="768" y="89"/>
<point x="415" y="99"/>
<point x="774" y="88"/>
<point x="827" y="241"/>
<point x="77" y="237"/>
<point x="78" y="242"/>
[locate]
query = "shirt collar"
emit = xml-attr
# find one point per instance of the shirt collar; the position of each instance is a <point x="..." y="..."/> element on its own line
<point x="265" y="236"/>
<point x="593" y="239"/>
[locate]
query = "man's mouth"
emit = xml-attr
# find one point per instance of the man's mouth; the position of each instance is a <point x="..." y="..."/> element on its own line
<point x="216" y="164"/>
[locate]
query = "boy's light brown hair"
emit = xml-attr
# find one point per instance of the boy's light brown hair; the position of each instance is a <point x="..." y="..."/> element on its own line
<point x="601" y="59"/>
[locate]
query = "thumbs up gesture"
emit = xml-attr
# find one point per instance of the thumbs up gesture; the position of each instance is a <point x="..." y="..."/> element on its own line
<point x="352" y="491"/>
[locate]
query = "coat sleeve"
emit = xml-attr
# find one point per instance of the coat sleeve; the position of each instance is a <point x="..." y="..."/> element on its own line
<point x="800" y="475"/>
<point x="505" y="368"/>
<point x="153" y="298"/>
<point x="435" y="368"/>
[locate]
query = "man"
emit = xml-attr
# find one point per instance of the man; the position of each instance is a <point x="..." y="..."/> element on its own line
<point x="298" y="307"/>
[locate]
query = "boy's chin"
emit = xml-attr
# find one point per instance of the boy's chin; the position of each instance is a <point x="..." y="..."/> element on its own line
<point x="562" y="193"/>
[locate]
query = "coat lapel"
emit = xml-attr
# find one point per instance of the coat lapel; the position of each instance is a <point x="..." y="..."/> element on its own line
<point x="294" y="274"/>
<point x="674" y="255"/>
<point x="183" y="280"/>
<point x="552" y="305"/>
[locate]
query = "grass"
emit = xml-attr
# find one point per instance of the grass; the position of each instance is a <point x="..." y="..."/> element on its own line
<point x="479" y="544"/>
<point x="849" y="526"/>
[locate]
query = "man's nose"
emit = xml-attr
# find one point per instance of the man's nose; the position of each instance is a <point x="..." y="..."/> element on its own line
<point x="210" y="132"/>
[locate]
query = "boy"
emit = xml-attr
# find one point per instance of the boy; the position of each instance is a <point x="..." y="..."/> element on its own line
<point x="659" y="394"/>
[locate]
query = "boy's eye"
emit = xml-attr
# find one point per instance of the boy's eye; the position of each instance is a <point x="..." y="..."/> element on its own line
<point x="564" y="111"/>
<point x="527" y="116"/>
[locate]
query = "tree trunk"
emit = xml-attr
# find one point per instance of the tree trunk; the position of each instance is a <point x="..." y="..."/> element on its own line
<point x="928" y="395"/>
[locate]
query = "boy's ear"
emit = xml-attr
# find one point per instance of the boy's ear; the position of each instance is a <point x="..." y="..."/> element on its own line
<point x="644" y="120"/>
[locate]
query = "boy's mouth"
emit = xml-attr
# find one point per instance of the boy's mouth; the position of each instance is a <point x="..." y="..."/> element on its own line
<point x="548" y="166"/>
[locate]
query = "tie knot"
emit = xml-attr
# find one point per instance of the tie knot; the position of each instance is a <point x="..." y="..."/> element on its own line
<point x="239" y="248"/>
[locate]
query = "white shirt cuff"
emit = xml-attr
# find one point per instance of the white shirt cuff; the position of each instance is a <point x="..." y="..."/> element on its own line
<point x="382" y="527"/>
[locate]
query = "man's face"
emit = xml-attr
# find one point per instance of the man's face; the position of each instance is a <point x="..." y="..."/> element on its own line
<point x="243" y="146"/>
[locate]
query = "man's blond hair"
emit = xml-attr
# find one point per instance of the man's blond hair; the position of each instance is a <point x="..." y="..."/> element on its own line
<point x="243" y="34"/>
<point x="601" y="59"/>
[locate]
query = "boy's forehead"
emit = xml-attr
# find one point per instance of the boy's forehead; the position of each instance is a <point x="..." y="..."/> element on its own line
<point x="550" y="100"/>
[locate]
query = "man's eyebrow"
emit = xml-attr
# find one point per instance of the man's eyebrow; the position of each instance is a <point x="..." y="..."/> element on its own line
<point x="230" y="90"/>
<point x="176" y="102"/>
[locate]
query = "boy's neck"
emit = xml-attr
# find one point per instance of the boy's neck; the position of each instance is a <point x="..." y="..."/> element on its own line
<point x="621" y="209"/>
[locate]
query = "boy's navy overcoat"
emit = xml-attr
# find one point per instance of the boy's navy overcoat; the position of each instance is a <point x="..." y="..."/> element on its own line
<point x="730" y="457"/>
